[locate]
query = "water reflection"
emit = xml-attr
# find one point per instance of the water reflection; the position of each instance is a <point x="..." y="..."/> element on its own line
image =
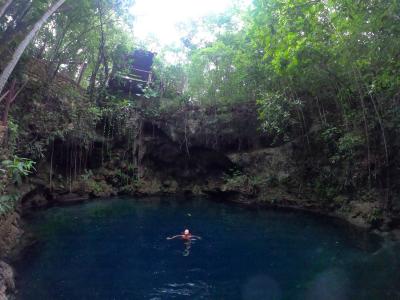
<point x="331" y="284"/>
<point x="188" y="245"/>
<point x="194" y="290"/>
<point x="261" y="287"/>
<point x="117" y="250"/>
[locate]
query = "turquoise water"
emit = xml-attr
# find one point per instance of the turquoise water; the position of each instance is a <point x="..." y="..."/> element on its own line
<point x="117" y="249"/>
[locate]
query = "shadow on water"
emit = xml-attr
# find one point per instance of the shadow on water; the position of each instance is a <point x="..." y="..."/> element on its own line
<point x="117" y="249"/>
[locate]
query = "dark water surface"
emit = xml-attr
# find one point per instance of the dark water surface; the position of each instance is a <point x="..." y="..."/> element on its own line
<point x="116" y="249"/>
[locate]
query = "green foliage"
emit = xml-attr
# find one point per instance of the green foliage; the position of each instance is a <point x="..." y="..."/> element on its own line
<point x="375" y="217"/>
<point x="170" y="79"/>
<point x="149" y="93"/>
<point x="94" y="187"/>
<point x="36" y="150"/>
<point x="17" y="168"/>
<point x="218" y="73"/>
<point x="237" y="180"/>
<point x="349" y="144"/>
<point x="234" y="176"/>
<point x="125" y="177"/>
<point x="13" y="130"/>
<point x="7" y="203"/>
<point x="277" y="112"/>
<point x="95" y="114"/>
<point x="326" y="186"/>
<point x="88" y="174"/>
<point x="330" y="134"/>
<point x="342" y="146"/>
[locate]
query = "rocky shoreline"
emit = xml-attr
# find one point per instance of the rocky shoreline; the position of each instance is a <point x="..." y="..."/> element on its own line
<point x="10" y="236"/>
<point x="7" y="280"/>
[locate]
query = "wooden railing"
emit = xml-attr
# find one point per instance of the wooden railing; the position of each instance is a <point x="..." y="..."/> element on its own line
<point x="149" y="75"/>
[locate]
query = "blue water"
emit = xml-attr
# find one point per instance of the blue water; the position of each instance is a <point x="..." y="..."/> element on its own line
<point x="117" y="249"/>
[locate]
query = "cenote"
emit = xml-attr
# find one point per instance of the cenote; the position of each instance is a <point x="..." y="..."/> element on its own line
<point x="117" y="249"/>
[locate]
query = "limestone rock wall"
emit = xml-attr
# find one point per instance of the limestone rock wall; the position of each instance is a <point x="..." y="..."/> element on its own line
<point x="10" y="232"/>
<point x="7" y="281"/>
<point x="270" y="162"/>
<point x="10" y="235"/>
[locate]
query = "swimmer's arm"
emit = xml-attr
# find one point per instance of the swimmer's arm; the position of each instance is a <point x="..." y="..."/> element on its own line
<point x="173" y="237"/>
<point x="196" y="237"/>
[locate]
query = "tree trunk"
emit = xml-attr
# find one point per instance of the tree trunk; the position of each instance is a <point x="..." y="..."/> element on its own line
<point x="22" y="46"/>
<point x="40" y="53"/>
<point x="18" y="28"/>
<point x="81" y="72"/>
<point x="10" y="98"/>
<point x="92" y="82"/>
<point x="100" y="56"/>
<point x="4" y="7"/>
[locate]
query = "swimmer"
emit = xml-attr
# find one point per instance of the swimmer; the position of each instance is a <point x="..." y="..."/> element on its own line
<point x="186" y="235"/>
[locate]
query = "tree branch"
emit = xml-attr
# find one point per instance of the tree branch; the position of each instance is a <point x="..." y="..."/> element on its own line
<point x="3" y="9"/>
<point x="4" y="95"/>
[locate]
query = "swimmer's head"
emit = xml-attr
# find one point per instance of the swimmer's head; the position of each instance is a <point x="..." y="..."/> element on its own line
<point x="186" y="232"/>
